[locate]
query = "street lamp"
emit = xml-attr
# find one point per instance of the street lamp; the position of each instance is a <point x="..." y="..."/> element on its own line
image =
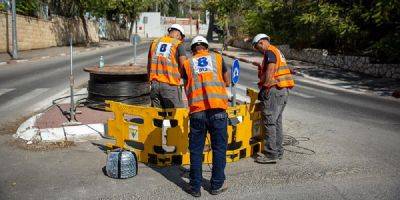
<point x="14" y="31"/>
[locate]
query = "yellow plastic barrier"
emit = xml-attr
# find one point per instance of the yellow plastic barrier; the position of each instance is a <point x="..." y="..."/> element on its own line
<point x="140" y="129"/>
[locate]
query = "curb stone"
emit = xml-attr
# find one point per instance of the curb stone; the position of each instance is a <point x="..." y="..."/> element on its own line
<point x="61" y="54"/>
<point x="395" y="94"/>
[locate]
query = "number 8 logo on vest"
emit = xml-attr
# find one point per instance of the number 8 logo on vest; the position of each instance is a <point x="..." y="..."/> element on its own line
<point x="202" y="65"/>
<point x="202" y="62"/>
<point x="164" y="49"/>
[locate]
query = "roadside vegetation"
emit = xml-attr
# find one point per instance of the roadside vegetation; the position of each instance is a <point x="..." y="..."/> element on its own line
<point x="364" y="27"/>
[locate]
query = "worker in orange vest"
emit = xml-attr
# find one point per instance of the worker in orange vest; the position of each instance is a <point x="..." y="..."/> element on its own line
<point x="274" y="84"/>
<point x="206" y="79"/>
<point x="165" y="61"/>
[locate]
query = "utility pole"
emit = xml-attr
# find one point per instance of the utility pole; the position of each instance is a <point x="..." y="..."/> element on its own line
<point x="190" y="17"/>
<point x="14" y="31"/>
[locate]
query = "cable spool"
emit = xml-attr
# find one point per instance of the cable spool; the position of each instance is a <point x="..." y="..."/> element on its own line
<point x="127" y="84"/>
<point x="121" y="164"/>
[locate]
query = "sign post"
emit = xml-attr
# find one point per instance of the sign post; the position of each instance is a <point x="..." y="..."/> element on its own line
<point x="72" y="109"/>
<point x="145" y="20"/>
<point x="135" y="39"/>
<point x="235" y="72"/>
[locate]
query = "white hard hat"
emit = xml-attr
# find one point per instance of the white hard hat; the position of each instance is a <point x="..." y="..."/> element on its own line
<point x="199" y="39"/>
<point x="177" y="27"/>
<point x="259" y="37"/>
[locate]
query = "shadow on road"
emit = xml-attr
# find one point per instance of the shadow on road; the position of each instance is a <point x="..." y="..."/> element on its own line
<point x="177" y="175"/>
<point x="347" y="79"/>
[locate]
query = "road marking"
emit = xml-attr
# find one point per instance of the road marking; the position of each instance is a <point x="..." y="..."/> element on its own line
<point x="21" y="99"/>
<point x="301" y="95"/>
<point x="339" y="88"/>
<point x="3" y="91"/>
<point x="239" y="96"/>
<point x="314" y="89"/>
<point x="244" y="88"/>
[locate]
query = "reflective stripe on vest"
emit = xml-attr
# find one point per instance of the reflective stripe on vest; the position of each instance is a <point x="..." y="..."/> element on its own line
<point x="205" y="90"/>
<point x="160" y="71"/>
<point x="164" y="64"/>
<point x="208" y="96"/>
<point x="282" y="77"/>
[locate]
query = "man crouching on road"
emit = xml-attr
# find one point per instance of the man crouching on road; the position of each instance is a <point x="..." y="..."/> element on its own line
<point x="165" y="61"/>
<point x="274" y="84"/>
<point x="205" y="81"/>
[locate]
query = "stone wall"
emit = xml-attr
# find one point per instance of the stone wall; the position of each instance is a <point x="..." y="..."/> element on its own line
<point x="34" y="33"/>
<point x="321" y="56"/>
<point x="114" y="32"/>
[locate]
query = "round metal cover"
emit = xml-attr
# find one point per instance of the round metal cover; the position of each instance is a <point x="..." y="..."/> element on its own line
<point x="121" y="164"/>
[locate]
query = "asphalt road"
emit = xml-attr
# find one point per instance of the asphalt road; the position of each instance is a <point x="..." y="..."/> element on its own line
<point x="355" y="137"/>
<point x="30" y="86"/>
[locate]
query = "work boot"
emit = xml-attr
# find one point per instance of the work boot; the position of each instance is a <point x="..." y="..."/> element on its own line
<point x="193" y="192"/>
<point x="219" y="190"/>
<point x="264" y="159"/>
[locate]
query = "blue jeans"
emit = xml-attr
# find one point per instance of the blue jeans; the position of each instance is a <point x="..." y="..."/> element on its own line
<point x="273" y="102"/>
<point x="215" y="122"/>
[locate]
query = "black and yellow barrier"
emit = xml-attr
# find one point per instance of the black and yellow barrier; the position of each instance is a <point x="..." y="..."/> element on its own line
<point x="160" y="136"/>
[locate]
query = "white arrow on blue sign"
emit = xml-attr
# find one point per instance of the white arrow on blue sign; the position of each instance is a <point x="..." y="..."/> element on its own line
<point x="235" y="71"/>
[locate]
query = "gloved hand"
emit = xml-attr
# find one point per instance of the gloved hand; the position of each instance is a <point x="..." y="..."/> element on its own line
<point x="263" y="94"/>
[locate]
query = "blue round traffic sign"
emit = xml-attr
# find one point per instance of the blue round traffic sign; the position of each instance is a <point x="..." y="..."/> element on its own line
<point x="135" y="39"/>
<point x="235" y="71"/>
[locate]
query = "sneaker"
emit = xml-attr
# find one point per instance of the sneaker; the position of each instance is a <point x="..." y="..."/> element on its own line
<point x="263" y="159"/>
<point x="219" y="191"/>
<point x="193" y="192"/>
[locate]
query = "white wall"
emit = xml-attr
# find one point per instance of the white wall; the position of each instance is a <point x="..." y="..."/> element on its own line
<point x="153" y="26"/>
<point x="156" y="26"/>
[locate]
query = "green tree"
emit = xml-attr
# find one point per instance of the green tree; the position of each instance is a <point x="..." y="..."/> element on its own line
<point x="362" y="27"/>
<point x="3" y="6"/>
<point x="27" y="7"/>
<point x="131" y="9"/>
<point x="227" y="15"/>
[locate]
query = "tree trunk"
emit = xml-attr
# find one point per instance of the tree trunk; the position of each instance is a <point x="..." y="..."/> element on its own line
<point x="131" y="28"/>
<point x="85" y="29"/>
<point x="210" y="27"/>
<point x="227" y="36"/>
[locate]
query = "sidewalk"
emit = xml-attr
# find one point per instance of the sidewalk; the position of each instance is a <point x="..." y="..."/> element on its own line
<point x="384" y="87"/>
<point x="49" y="125"/>
<point x="38" y="54"/>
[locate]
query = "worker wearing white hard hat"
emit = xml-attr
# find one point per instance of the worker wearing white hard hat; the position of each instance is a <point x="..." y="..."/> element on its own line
<point x="260" y="37"/>
<point x="206" y="79"/>
<point x="178" y="28"/>
<point x="275" y="81"/>
<point x="165" y="63"/>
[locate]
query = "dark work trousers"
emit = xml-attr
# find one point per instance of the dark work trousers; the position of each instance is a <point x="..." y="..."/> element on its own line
<point x="163" y="95"/>
<point x="273" y="103"/>
<point x="215" y="122"/>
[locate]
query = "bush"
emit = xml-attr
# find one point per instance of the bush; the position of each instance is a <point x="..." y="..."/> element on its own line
<point x="3" y="6"/>
<point x="362" y="28"/>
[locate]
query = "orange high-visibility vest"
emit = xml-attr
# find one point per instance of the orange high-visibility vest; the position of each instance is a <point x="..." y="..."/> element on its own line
<point x="205" y="86"/>
<point x="164" y="63"/>
<point x="283" y="76"/>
